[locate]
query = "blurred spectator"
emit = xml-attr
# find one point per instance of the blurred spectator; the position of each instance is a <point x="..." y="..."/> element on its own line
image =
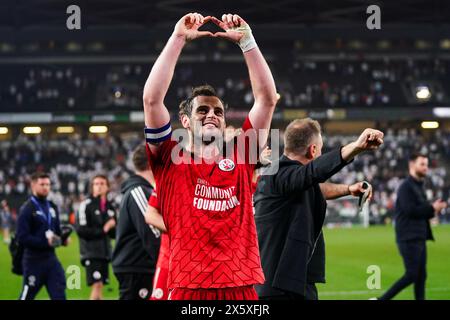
<point x="5" y="219"/>
<point x="304" y="83"/>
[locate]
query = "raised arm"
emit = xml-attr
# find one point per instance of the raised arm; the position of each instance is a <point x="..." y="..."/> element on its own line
<point x="158" y="82"/>
<point x="298" y="178"/>
<point x="263" y="85"/>
<point x="370" y="139"/>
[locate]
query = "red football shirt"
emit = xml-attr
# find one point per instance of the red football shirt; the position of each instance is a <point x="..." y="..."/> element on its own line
<point x="160" y="290"/>
<point x="207" y="209"/>
<point x="163" y="257"/>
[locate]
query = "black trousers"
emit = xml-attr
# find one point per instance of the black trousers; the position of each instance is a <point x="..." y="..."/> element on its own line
<point x="135" y="286"/>
<point x="414" y="254"/>
<point x="310" y="294"/>
<point x="47" y="272"/>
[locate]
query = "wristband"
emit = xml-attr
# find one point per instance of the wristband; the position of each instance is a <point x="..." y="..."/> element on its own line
<point x="247" y="41"/>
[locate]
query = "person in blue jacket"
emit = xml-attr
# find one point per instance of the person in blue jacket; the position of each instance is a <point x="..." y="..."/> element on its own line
<point x="39" y="232"/>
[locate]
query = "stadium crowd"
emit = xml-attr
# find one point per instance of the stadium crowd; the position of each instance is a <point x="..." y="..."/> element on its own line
<point x="386" y="168"/>
<point x="302" y="83"/>
<point x="72" y="161"/>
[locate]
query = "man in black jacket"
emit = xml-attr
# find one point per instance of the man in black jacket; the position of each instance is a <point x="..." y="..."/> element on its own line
<point x="290" y="209"/>
<point x="95" y="223"/>
<point x="137" y="244"/>
<point x="412" y="227"/>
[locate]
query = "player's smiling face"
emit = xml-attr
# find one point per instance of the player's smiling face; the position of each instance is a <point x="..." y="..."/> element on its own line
<point x="207" y="118"/>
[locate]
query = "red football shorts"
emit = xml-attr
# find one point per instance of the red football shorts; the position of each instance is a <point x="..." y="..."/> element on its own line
<point x="235" y="293"/>
<point x="160" y="290"/>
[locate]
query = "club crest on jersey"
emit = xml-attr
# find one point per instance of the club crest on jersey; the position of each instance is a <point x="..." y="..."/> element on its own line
<point x="226" y="165"/>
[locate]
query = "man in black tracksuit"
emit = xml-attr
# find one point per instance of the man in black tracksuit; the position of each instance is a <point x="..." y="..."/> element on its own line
<point x="39" y="232"/>
<point x="412" y="227"/>
<point x="137" y="244"/>
<point x="290" y="209"/>
<point x="95" y="225"/>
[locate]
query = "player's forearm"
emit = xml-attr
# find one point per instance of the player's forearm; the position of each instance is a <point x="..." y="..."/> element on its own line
<point x="350" y="151"/>
<point x="158" y="222"/>
<point x="261" y="79"/>
<point x="161" y="75"/>
<point x="333" y="191"/>
<point x="154" y="218"/>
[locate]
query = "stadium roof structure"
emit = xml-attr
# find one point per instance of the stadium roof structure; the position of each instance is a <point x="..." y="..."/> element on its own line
<point x="22" y="21"/>
<point x="146" y="13"/>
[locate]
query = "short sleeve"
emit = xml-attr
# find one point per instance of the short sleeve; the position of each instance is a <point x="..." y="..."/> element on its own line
<point x="160" y="157"/>
<point x="247" y="145"/>
<point x="153" y="200"/>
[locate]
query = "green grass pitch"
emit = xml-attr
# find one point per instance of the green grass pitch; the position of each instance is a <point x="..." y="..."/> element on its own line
<point x="349" y="253"/>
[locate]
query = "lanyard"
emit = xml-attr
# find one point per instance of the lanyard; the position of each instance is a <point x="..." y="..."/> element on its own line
<point x="45" y="212"/>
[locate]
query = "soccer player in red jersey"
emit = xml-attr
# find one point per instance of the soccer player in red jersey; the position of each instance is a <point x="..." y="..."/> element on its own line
<point x="160" y="290"/>
<point x="205" y="198"/>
